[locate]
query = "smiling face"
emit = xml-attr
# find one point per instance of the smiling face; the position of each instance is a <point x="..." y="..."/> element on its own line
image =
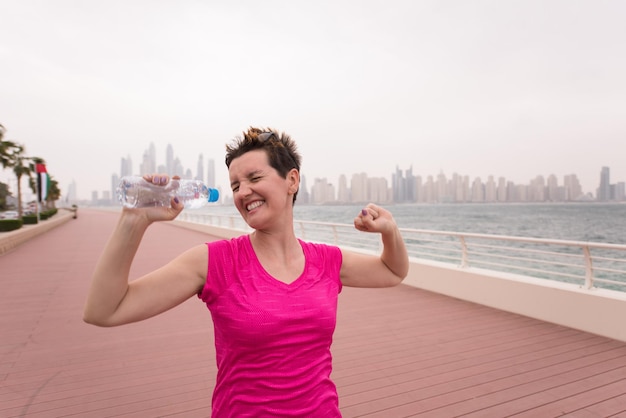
<point x="280" y="149"/>
<point x="261" y="195"/>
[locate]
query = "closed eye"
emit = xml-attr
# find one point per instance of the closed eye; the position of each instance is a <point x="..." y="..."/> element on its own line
<point x="253" y="177"/>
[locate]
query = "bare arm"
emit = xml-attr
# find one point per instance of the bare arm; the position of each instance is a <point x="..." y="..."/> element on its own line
<point x="388" y="269"/>
<point x="112" y="300"/>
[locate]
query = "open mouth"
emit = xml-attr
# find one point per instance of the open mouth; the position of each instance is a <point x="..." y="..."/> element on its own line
<point x="254" y="205"/>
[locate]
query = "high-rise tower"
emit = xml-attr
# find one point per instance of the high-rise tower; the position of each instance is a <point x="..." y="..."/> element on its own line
<point x="200" y="171"/>
<point x="210" y="173"/>
<point x="604" y="191"/>
<point x="126" y="168"/>
<point x="170" y="165"/>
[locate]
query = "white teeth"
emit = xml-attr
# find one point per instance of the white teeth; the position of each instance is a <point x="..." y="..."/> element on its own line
<point x="254" y="205"/>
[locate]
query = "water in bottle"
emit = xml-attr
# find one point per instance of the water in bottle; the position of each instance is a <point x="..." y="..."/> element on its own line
<point x="135" y="192"/>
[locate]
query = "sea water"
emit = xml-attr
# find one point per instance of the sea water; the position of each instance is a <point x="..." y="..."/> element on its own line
<point x="593" y="222"/>
<point x="583" y="222"/>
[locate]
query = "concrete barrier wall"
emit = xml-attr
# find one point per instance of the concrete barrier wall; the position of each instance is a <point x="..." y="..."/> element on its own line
<point x="598" y="311"/>
<point x="11" y="239"/>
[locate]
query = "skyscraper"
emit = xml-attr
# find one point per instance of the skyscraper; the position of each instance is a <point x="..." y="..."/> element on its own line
<point x="126" y="167"/>
<point x="200" y="171"/>
<point x="410" y="185"/>
<point x="152" y="158"/>
<point x="322" y="192"/>
<point x="537" y="189"/>
<point x="502" y="196"/>
<point x="358" y="188"/>
<point x="343" y="193"/>
<point x="71" y="193"/>
<point x="491" y="191"/>
<point x="604" y="191"/>
<point x="115" y="181"/>
<point x="177" y="168"/>
<point x="378" y="190"/>
<point x="303" y="193"/>
<point x="398" y="185"/>
<point x="210" y="173"/>
<point x="478" y="191"/>
<point x="148" y="163"/>
<point x="170" y="165"/>
<point x="459" y="188"/>
<point x="573" y="190"/>
<point x="553" y="190"/>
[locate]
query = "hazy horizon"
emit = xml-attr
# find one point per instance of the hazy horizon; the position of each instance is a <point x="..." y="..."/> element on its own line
<point x="334" y="181"/>
<point x="510" y="89"/>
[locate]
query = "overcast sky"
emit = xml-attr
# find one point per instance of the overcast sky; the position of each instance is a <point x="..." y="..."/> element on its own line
<point x="504" y="88"/>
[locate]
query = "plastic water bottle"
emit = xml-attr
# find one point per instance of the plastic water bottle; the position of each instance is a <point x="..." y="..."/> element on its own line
<point x="135" y="192"/>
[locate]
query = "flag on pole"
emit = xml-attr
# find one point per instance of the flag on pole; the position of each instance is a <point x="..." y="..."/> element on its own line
<point x="43" y="182"/>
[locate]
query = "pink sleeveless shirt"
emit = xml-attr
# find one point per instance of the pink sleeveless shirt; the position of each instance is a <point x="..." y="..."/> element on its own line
<point x="272" y="339"/>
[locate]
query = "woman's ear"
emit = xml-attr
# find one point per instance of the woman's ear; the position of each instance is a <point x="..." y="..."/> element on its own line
<point x="294" y="180"/>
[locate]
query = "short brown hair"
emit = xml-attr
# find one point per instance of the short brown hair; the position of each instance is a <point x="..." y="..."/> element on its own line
<point x="281" y="150"/>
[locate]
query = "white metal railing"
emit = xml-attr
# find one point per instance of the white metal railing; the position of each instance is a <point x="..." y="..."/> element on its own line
<point x="587" y="264"/>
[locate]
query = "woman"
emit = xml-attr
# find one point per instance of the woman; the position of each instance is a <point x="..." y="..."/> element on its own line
<point x="272" y="297"/>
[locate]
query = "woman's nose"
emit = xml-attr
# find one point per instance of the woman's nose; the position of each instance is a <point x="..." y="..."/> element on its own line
<point x="244" y="189"/>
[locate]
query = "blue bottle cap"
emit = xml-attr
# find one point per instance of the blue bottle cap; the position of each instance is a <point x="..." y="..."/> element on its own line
<point x="214" y="195"/>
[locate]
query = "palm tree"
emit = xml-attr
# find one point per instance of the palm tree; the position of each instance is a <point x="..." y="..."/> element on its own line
<point x="22" y="166"/>
<point x="54" y="193"/>
<point x="12" y="155"/>
<point x="4" y="193"/>
<point x="8" y="150"/>
<point x="32" y="183"/>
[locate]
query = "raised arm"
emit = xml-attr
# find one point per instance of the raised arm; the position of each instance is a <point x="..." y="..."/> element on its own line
<point x="388" y="269"/>
<point x="112" y="300"/>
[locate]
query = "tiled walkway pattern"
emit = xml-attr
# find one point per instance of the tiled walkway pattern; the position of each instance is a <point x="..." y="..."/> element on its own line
<point x="398" y="352"/>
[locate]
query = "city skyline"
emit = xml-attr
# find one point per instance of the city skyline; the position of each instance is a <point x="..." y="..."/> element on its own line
<point x="360" y="187"/>
<point x="600" y="192"/>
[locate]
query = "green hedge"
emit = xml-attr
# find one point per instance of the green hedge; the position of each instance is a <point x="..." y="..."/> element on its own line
<point x="10" y="224"/>
<point x="30" y="219"/>
<point x="49" y="213"/>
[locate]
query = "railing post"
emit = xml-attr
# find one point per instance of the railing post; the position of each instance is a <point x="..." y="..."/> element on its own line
<point x="464" y="257"/>
<point x="588" y="267"/>
<point x="335" y="237"/>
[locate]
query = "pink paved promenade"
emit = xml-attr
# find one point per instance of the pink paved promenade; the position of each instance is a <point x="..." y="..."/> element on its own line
<point x="398" y="352"/>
